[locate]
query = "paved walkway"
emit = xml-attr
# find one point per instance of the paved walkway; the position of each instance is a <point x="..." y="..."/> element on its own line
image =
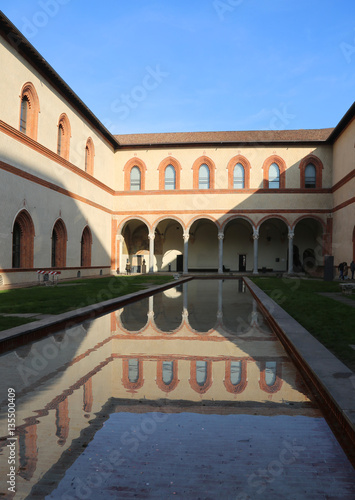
<point x="339" y="297"/>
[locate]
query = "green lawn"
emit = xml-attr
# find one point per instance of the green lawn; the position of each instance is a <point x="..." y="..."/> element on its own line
<point x="330" y="321"/>
<point x="68" y="296"/>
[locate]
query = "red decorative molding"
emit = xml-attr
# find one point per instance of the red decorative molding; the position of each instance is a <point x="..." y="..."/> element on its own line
<point x="62" y="421"/>
<point x="271" y="389"/>
<point x="282" y="167"/>
<point x="64" y="134"/>
<point x="29" y="93"/>
<point x="132" y="386"/>
<point x="87" y="396"/>
<point x="196" y="167"/>
<point x="134" y="162"/>
<point x="162" y="166"/>
<point x="319" y="167"/>
<point x="347" y="178"/>
<point x="89" y="156"/>
<point x="246" y="165"/>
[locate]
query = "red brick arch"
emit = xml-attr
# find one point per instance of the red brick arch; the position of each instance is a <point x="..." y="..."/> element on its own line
<point x="89" y="156"/>
<point x="282" y="167"/>
<point x="246" y="165"/>
<point x="200" y="389"/>
<point x="239" y="388"/>
<point x="175" y="380"/>
<point x="162" y="166"/>
<point x="64" y="134"/>
<point x="27" y="234"/>
<point x="195" y="169"/>
<point x="318" y="165"/>
<point x="59" y="239"/>
<point x="134" y="162"/>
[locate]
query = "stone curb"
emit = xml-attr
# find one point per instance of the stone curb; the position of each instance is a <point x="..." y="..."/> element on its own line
<point x="68" y="319"/>
<point x="333" y="381"/>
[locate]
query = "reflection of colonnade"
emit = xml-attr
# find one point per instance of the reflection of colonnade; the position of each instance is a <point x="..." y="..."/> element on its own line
<point x="232" y="243"/>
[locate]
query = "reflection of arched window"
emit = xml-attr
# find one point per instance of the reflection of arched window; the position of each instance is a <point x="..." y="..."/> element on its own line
<point x="132" y="378"/>
<point x="28" y="452"/>
<point x="310" y="176"/>
<point x="170" y="177"/>
<point x="201" y="375"/>
<point x="135" y="179"/>
<point x="238" y="176"/>
<point x="22" y="241"/>
<point x="204" y="177"/>
<point x="59" y="244"/>
<point x="270" y="376"/>
<point x="85" y="244"/>
<point x="274" y="176"/>
<point x="29" y="109"/>
<point x="236" y="376"/>
<point x="167" y="375"/>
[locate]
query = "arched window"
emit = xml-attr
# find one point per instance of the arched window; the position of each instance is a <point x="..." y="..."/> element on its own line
<point x="89" y="156"/>
<point x="204" y="177"/>
<point x="310" y="176"/>
<point x="170" y="177"/>
<point x="274" y="176"/>
<point x="85" y="254"/>
<point x="63" y="140"/>
<point x="22" y="241"/>
<point x="270" y="376"/>
<point x="133" y="370"/>
<point x="201" y="372"/>
<point x="135" y="177"/>
<point x="168" y="372"/>
<point x="23" y="116"/>
<point x="29" y="109"/>
<point x="238" y="176"/>
<point x="59" y="244"/>
<point x="270" y="373"/>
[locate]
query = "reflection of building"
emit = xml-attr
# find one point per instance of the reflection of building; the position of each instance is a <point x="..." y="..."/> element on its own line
<point x="125" y="361"/>
<point x="80" y="199"/>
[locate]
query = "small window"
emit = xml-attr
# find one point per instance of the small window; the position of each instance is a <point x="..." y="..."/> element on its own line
<point x="170" y="177"/>
<point x="23" y="117"/>
<point x="274" y="176"/>
<point x="204" y="177"/>
<point x="60" y="139"/>
<point x="238" y="177"/>
<point x="89" y="156"/>
<point x="135" y="179"/>
<point x="310" y="176"/>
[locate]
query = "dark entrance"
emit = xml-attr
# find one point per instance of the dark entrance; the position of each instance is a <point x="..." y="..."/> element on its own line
<point x="179" y="263"/>
<point x="242" y="262"/>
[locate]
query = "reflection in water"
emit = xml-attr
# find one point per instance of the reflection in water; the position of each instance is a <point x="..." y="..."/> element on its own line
<point x="205" y="347"/>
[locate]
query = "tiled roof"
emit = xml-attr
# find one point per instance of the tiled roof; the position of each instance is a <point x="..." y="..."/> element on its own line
<point x="254" y="136"/>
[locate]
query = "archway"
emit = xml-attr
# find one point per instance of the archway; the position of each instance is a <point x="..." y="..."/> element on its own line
<point x="169" y="246"/>
<point x="203" y="246"/>
<point x="238" y="245"/>
<point x="23" y="241"/>
<point x="273" y="245"/>
<point x="135" y="247"/>
<point x="309" y="240"/>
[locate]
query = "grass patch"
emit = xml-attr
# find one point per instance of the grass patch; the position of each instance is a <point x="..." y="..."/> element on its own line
<point x="330" y="321"/>
<point x="11" y="322"/>
<point x="75" y="294"/>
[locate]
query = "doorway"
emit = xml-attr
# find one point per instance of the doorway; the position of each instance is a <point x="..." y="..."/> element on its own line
<point x="179" y="263"/>
<point x="242" y="262"/>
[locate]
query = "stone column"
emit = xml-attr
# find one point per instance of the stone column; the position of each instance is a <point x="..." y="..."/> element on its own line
<point x="290" y="250"/>
<point x="256" y="250"/>
<point x="220" y="252"/>
<point x="220" y="301"/>
<point x="151" y="237"/>
<point x="121" y="265"/>
<point x="186" y="252"/>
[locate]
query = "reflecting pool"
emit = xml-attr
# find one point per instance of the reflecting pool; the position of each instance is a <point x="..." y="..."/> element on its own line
<point x="185" y="394"/>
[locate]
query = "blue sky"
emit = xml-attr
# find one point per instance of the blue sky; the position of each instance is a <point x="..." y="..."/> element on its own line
<point x="199" y="65"/>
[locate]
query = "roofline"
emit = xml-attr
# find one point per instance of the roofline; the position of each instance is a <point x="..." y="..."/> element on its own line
<point x="17" y="40"/>
<point x="344" y="122"/>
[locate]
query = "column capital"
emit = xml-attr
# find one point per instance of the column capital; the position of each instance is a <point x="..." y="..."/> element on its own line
<point x="151" y="236"/>
<point x="220" y="236"/>
<point x="186" y="236"/>
<point x="291" y="234"/>
<point x="120" y="238"/>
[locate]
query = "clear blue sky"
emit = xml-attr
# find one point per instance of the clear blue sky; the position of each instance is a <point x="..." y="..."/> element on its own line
<point x="199" y="65"/>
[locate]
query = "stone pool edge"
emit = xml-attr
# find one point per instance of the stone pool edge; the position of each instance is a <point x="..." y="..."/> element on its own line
<point x="333" y="382"/>
<point x="18" y="335"/>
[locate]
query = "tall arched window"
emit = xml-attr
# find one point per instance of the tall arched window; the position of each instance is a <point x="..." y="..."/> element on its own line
<point x="310" y="176"/>
<point x="59" y="244"/>
<point x="274" y="176"/>
<point x="204" y="177"/>
<point x="170" y="177"/>
<point x="29" y="109"/>
<point x="23" y="241"/>
<point x="63" y="140"/>
<point x="89" y="156"/>
<point x="85" y="244"/>
<point x="238" y="176"/>
<point x="135" y="177"/>
<point x="168" y="372"/>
